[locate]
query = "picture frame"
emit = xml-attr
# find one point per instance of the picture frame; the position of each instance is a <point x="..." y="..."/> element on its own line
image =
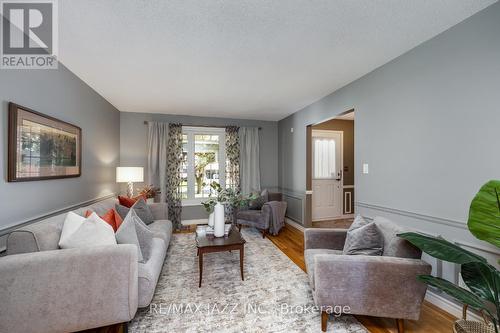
<point x="41" y="147"/>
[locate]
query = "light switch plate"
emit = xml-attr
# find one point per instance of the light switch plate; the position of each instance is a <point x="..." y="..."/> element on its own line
<point x="365" y="168"/>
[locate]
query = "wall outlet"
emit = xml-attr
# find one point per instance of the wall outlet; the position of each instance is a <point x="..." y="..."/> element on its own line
<point x="291" y="130"/>
<point x="365" y="168"/>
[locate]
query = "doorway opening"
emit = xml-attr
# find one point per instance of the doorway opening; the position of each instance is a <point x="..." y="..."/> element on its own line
<point x="330" y="172"/>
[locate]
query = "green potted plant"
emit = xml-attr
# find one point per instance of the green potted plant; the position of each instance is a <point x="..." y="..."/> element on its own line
<point x="210" y="203"/>
<point x="231" y="198"/>
<point x="234" y="200"/>
<point x="481" y="278"/>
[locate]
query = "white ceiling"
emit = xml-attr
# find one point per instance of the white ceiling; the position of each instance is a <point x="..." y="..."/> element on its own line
<point x="254" y="59"/>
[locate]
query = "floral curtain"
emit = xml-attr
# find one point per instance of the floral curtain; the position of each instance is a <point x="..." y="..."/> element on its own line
<point x="174" y="162"/>
<point x="232" y="158"/>
<point x="232" y="168"/>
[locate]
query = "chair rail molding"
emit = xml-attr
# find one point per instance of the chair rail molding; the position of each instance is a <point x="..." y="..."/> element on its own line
<point x="428" y="218"/>
<point x="456" y="231"/>
<point x="453" y="230"/>
<point x="6" y="230"/>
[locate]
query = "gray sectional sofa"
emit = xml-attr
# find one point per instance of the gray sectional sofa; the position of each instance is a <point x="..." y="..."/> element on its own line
<point x="46" y="289"/>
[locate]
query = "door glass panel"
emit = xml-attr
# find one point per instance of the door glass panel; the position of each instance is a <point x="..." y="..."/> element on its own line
<point x="324" y="158"/>
<point x="206" y="160"/>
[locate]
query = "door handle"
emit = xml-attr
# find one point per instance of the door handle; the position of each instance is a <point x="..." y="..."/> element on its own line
<point x="339" y="178"/>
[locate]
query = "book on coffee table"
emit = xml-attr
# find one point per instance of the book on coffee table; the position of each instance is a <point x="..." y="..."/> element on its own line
<point x="203" y="230"/>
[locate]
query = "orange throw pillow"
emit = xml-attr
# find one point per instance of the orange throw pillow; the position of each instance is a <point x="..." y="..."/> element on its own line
<point x="111" y="217"/>
<point x="129" y="202"/>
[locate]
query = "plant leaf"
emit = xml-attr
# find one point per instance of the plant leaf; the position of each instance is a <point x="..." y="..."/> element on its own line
<point x="482" y="279"/>
<point x="484" y="213"/>
<point x="441" y="248"/>
<point x="460" y="294"/>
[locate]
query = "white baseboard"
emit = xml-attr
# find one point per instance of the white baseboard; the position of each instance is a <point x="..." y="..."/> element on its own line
<point x="291" y="223"/>
<point x="191" y="222"/>
<point x="449" y="306"/>
<point x="205" y="221"/>
<point x="341" y="217"/>
<point x="294" y="224"/>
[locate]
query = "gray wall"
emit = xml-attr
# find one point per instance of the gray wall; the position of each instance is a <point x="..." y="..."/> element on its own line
<point x="133" y="145"/>
<point x="59" y="93"/>
<point x="427" y="123"/>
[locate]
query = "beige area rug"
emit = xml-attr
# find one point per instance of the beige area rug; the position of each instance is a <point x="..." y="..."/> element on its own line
<point x="275" y="296"/>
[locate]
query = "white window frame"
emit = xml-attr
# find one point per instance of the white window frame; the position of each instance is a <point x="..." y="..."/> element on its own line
<point x="191" y="131"/>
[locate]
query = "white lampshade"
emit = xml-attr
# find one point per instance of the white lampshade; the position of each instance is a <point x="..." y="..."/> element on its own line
<point x="129" y="174"/>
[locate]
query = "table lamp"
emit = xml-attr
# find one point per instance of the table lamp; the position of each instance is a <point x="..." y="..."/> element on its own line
<point x="129" y="175"/>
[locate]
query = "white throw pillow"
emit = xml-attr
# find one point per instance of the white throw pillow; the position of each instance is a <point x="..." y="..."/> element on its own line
<point x="71" y="224"/>
<point x="94" y="231"/>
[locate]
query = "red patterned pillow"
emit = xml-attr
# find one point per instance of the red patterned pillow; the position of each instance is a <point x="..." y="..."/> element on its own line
<point x="129" y="202"/>
<point x="111" y="217"/>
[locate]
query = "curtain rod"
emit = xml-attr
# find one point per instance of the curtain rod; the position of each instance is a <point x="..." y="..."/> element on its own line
<point x="146" y="122"/>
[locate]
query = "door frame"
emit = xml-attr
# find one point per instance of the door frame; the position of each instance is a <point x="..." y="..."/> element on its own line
<point x="308" y="195"/>
<point x="311" y="161"/>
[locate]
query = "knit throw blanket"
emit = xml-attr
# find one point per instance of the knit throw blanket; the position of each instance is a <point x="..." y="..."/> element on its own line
<point x="277" y="218"/>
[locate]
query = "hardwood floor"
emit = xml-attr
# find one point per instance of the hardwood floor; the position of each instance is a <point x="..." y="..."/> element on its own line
<point x="117" y="328"/>
<point x="291" y="242"/>
<point x="432" y="320"/>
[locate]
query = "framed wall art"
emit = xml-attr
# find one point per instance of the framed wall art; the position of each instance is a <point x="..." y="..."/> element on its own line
<point x="42" y="147"/>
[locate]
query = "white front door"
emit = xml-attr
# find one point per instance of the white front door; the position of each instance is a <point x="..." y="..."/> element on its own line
<point x="326" y="174"/>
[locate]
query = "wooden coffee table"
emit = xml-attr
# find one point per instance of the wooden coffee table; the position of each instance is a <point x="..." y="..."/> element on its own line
<point x="208" y="244"/>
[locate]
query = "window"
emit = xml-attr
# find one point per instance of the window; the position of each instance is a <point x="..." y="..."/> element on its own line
<point x="204" y="159"/>
<point x="324" y="158"/>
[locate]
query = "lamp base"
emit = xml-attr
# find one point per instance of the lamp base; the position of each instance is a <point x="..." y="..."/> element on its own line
<point x="130" y="189"/>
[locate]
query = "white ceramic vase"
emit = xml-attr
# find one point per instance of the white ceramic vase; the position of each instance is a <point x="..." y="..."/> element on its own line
<point x="211" y="219"/>
<point x="219" y="220"/>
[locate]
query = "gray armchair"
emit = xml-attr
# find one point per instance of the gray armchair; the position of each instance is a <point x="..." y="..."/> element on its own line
<point x="379" y="286"/>
<point x="270" y="218"/>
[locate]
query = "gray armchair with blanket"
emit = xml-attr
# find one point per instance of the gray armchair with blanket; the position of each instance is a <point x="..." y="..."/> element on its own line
<point x="379" y="286"/>
<point x="269" y="217"/>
